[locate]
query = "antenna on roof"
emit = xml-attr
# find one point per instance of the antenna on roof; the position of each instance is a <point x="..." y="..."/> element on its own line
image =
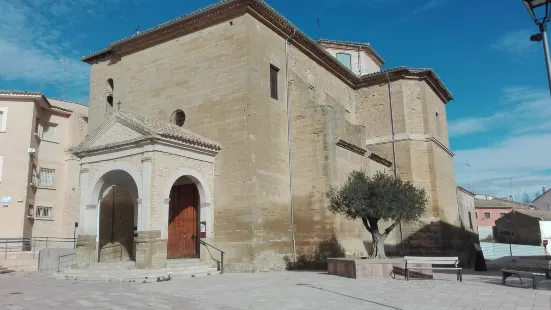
<point x="319" y="34"/>
<point x="64" y="62"/>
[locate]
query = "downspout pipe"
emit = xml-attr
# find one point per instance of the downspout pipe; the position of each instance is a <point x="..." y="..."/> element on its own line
<point x="394" y="150"/>
<point x="287" y="43"/>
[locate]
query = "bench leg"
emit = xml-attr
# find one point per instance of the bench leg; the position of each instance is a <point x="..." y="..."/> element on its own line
<point x="504" y="275"/>
<point x="518" y="275"/>
<point x="407" y="274"/>
<point x="460" y="275"/>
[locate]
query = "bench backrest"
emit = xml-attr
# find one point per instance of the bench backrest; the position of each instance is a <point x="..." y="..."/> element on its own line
<point x="432" y="260"/>
<point x="527" y="263"/>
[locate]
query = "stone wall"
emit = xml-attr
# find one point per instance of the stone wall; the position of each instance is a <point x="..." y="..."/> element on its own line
<point x="219" y="76"/>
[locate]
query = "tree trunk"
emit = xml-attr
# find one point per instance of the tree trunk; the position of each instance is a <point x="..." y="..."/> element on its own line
<point x="378" y="244"/>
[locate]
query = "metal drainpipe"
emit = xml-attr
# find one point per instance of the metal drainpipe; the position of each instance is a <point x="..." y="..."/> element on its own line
<point x="289" y="143"/>
<point x="394" y="150"/>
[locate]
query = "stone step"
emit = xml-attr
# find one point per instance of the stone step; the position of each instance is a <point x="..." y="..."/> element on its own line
<point x="138" y="271"/>
<point x="146" y="276"/>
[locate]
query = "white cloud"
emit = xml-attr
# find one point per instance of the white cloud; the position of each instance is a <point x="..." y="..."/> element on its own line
<point x="516" y="42"/>
<point x="522" y="110"/>
<point x="428" y="6"/>
<point x="525" y="115"/>
<point x="521" y="161"/>
<point x="31" y="45"/>
<point x="35" y="34"/>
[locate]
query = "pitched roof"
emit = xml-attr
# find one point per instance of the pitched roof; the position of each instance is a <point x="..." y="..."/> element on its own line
<point x="466" y="191"/>
<point x="21" y="93"/>
<point x="355" y="44"/>
<point x="227" y="9"/>
<point x="151" y="128"/>
<point x="168" y="130"/>
<point x="540" y="214"/>
<point x="543" y="194"/>
<point x="497" y="203"/>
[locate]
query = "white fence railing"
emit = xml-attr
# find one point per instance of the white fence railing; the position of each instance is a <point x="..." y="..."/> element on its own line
<point x="496" y="250"/>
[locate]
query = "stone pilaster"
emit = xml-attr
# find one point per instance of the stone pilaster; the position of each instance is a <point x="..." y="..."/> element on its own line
<point x="150" y="250"/>
<point x="86" y="251"/>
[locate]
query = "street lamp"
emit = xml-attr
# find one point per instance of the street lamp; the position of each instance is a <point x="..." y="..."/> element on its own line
<point x="540" y="11"/>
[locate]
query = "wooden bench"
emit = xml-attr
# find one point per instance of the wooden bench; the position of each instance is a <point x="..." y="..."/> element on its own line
<point x="535" y="268"/>
<point x="447" y="263"/>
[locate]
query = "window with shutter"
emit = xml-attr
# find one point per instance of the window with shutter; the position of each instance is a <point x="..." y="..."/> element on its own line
<point x="49" y="133"/>
<point x="273" y="82"/>
<point x="46" y="178"/>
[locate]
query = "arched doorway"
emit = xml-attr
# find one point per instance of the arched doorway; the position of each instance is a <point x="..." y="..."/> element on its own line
<point x="183" y="219"/>
<point x="118" y="203"/>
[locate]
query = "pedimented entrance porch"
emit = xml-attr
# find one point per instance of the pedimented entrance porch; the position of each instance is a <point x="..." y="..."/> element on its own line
<point x="146" y="191"/>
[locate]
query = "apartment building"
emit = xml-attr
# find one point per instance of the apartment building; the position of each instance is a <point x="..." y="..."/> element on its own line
<point x="39" y="193"/>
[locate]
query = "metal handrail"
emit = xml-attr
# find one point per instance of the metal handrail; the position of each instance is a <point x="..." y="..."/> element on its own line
<point x="29" y="243"/>
<point x="221" y="254"/>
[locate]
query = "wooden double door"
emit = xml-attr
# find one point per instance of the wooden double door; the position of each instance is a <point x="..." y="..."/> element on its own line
<point x="183" y="224"/>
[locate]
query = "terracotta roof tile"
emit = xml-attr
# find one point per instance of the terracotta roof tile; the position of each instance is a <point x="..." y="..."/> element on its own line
<point x="168" y="130"/>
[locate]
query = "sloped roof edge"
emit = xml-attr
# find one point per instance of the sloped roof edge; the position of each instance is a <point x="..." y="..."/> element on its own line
<point x="355" y="44"/>
<point x="286" y="28"/>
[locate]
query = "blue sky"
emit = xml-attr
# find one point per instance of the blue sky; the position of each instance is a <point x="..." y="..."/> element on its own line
<point x="500" y="120"/>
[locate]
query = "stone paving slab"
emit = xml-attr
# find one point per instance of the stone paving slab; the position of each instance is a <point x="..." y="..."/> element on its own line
<point x="283" y="290"/>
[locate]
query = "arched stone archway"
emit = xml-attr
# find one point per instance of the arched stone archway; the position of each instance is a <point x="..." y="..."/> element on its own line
<point x="116" y="195"/>
<point x="186" y="212"/>
<point x="137" y="152"/>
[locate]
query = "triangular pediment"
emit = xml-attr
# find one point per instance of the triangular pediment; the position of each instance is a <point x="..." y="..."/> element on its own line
<point x="114" y="131"/>
<point x="126" y="128"/>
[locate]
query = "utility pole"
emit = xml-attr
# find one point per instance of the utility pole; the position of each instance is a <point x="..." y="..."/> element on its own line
<point x="469" y="174"/>
<point x="319" y="33"/>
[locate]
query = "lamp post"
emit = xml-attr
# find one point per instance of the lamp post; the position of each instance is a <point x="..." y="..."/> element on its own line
<point x="540" y="11"/>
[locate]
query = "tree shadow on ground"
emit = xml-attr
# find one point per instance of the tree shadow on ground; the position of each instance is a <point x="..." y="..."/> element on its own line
<point x="317" y="260"/>
<point x="434" y="239"/>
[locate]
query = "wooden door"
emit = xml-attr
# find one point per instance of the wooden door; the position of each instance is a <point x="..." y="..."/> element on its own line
<point x="183" y="237"/>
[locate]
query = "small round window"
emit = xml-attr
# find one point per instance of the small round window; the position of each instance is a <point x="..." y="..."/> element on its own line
<point x="178" y="118"/>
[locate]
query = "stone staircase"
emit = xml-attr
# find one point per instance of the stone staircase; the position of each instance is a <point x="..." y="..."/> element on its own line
<point x="126" y="271"/>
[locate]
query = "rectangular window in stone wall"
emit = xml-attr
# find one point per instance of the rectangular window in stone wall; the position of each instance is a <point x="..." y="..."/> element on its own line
<point x="46" y="178"/>
<point x="274" y="72"/>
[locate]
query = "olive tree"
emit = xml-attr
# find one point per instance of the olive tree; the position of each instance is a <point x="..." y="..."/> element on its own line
<point x="381" y="197"/>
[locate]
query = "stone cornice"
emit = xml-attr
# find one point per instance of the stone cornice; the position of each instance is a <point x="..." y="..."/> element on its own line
<point x="351" y="147"/>
<point x="228" y="9"/>
<point x="408" y="137"/>
<point x="383" y="161"/>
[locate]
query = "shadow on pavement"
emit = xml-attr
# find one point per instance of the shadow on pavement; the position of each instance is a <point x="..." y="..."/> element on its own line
<point x="353" y="297"/>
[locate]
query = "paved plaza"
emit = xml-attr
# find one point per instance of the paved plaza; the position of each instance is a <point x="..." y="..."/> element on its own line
<point x="282" y="290"/>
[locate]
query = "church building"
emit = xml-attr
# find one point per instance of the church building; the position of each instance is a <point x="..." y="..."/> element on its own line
<point x="227" y="126"/>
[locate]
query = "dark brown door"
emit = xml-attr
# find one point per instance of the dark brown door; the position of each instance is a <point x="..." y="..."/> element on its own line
<point x="183" y="238"/>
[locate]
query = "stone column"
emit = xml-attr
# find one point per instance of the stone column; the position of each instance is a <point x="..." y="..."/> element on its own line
<point x="151" y="249"/>
<point x="87" y="232"/>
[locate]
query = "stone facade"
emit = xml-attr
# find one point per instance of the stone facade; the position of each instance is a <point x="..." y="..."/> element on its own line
<point x="219" y="75"/>
<point x="127" y="182"/>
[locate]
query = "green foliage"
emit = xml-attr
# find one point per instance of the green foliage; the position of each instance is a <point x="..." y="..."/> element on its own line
<point x="381" y="197"/>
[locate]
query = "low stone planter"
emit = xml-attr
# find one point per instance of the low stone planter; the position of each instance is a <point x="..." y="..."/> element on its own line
<point x="391" y="268"/>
